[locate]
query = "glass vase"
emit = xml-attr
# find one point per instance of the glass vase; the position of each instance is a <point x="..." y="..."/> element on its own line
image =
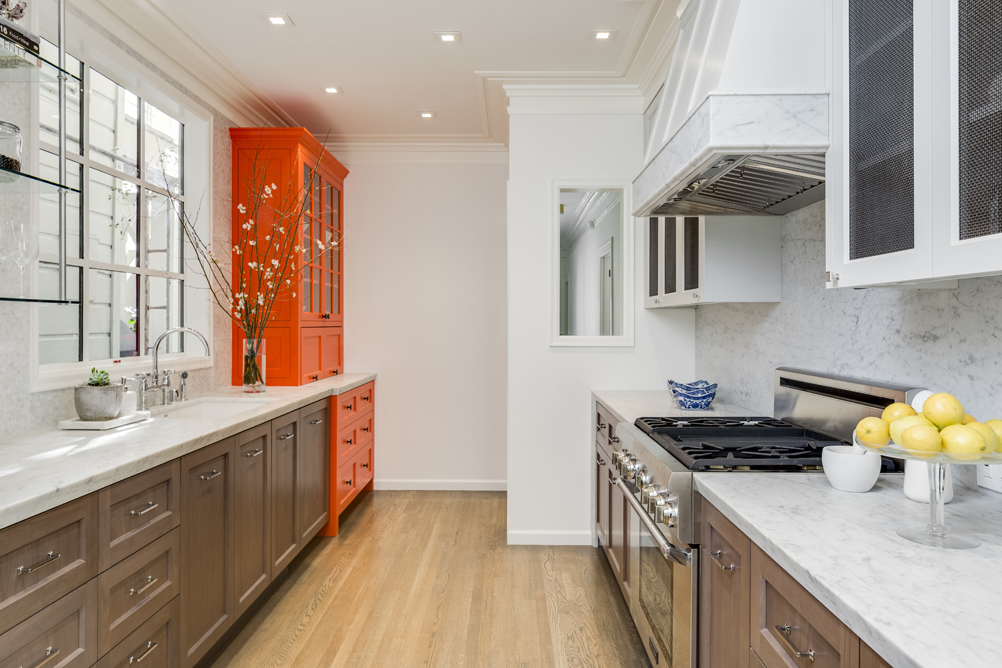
<point x="254" y="366"/>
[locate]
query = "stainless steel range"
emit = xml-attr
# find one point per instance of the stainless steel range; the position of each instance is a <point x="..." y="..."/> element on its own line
<point x="658" y="457"/>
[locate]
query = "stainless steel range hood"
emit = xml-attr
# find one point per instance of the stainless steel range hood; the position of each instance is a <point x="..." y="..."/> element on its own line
<point x="751" y="184"/>
<point x="741" y="124"/>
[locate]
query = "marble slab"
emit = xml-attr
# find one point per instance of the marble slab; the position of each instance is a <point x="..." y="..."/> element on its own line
<point x="45" y="469"/>
<point x="916" y="606"/>
<point x="628" y="405"/>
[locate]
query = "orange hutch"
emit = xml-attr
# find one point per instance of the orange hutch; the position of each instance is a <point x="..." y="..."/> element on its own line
<point x="304" y="341"/>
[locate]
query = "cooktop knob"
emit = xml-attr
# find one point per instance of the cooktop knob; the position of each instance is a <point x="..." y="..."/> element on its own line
<point x="670" y="517"/>
<point x="643" y="476"/>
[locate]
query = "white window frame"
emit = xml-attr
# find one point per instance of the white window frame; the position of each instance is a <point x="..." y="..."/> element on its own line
<point x="628" y="307"/>
<point x="197" y="174"/>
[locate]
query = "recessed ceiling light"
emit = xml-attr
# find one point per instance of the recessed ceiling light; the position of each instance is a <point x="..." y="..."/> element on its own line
<point x="448" y="37"/>
<point x="427" y="114"/>
<point x="277" y="19"/>
<point x="333" y="89"/>
<point x="604" y="34"/>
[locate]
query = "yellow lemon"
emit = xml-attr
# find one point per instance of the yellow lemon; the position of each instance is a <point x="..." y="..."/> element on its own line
<point x="963" y="442"/>
<point x="996" y="426"/>
<point x="991" y="438"/>
<point x="922" y="438"/>
<point x="899" y="425"/>
<point x="873" y="431"/>
<point x="943" y="410"/>
<point x="968" y="418"/>
<point x="895" y="411"/>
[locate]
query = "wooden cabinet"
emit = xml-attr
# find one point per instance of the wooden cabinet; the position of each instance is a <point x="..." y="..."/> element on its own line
<point x="304" y="339"/>
<point x="352" y="450"/>
<point x="697" y="260"/>
<point x="155" y="644"/>
<point x="63" y="634"/>
<point x="284" y="480"/>
<point x="612" y="523"/>
<point x="251" y="515"/>
<point x="619" y="532"/>
<point x="601" y="495"/>
<point x="137" y="511"/>
<point x="725" y="556"/>
<point x="45" y="558"/>
<point x="915" y="122"/>
<point x="312" y="485"/>
<point x="870" y="659"/>
<point x="208" y="603"/>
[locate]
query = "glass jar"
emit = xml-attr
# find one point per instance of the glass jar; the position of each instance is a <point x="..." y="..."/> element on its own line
<point x="10" y="146"/>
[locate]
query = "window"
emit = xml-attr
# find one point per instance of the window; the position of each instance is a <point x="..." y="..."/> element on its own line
<point x="125" y="246"/>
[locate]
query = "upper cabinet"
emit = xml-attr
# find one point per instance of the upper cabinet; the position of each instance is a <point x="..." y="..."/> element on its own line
<point x="693" y="260"/>
<point x="304" y="338"/>
<point x="913" y="185"/>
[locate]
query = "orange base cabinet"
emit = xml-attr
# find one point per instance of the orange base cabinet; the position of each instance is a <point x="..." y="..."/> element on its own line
<point x="352" y="444"/>
<point x="304" y="338"/>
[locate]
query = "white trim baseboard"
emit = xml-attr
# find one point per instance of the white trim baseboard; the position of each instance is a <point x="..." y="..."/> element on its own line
<point x="546" y="537"/>
<point x="442" y="485"/>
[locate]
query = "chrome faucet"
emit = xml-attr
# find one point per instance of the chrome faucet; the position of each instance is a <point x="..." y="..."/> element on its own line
<point x="154" y="381"/>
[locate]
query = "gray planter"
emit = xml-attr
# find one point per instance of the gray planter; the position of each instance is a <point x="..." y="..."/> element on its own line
<point x="98" y="403"/>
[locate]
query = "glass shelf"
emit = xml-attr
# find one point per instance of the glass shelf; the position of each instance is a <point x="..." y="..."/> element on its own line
<point x="20" y="66"/>
<point x="19" y="183"/>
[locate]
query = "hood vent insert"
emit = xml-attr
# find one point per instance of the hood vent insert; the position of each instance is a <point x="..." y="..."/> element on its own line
<point x="751" y="184"/>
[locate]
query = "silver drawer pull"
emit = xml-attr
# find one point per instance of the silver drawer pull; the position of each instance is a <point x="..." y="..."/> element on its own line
<point x="50" y="654"/>
<point x="150" y="646"/>
<point x="285" y="437"/>
<point x="715" y="558"/>
<point x="214" y="474"/>
<point x="600" y="425"/>
<point x="613" y="439"/>
<point x="317" y="421"/>
<point x="257" y="452"/>
<point x="49" y="558"/>
<point x="150" y="506"/>
<point x="784" y="635"/>
<point x="150" y="581"/>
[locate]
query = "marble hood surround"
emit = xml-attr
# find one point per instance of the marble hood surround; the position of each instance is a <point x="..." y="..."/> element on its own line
<point x="731" y="129"/>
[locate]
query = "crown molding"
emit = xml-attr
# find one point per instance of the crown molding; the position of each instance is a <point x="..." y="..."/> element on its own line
<point x="574" y="99"/>
<point x="418" y="153"/>
<point x="170" y="44"/>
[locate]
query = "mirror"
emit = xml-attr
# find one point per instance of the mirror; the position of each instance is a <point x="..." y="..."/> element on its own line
<point x="591" y="262"/>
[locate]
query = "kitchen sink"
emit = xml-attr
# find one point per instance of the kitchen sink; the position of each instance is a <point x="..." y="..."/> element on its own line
<point x="209" y="408"/>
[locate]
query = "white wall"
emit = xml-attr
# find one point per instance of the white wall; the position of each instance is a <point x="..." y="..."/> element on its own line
<point x="550" y="443"/>
<point x="424" y="251"/>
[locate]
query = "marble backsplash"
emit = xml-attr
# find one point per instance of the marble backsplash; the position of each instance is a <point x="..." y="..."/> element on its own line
<point x="948" y="340"/>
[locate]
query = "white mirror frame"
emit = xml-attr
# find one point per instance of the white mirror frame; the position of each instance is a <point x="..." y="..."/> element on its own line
<point x="627" y="225"/>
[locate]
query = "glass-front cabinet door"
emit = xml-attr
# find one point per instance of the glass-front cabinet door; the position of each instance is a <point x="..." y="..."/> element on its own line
<point x="321" y="229"/>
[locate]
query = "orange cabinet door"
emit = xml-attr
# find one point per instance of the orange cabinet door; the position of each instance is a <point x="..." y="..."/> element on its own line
<point x="311" y="354"/>
<point x="364" y="465"/>
<point x="331" y="352"/>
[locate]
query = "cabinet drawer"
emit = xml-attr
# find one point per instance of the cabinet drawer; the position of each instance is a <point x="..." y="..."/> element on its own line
<point x="63" y="635"/>
<point x="367" y="397"/>
<point x="131" y="591"/>
<point x="349" y="405"/>
<point x="349" y="439"/>
<point x="753" y="660"/>
<point x="45" y="558"/>
<point x="155" y="644"/>
<point x="346" y="483"/>
<point x="786" y="619"/>
<point x="365" y="465"/>
<point x="135" y="512"/>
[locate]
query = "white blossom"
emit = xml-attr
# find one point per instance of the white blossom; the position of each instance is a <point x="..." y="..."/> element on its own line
<point x="252" y="242"/>
<point x="241" y="208"/>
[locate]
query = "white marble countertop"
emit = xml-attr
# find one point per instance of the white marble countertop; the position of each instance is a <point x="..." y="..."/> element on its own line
<point x="628" y="405"/>
<point x="916" y="606"/>
<point x="44" y="469"/>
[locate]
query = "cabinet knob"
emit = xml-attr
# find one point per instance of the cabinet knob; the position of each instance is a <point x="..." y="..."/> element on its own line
<point x="348" y="482"/>
<point x="365" y="429"/>
<point x="347" y="407"/>
<point x="365" y="465"/>
<point x="348" y="441"/>
<point x="315" y="376"/>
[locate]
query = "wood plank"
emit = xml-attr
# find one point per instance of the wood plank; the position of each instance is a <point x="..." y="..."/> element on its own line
<point x="427" y="578"/>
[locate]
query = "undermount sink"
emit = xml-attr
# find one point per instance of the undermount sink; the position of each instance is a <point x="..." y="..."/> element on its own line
<point x="209" y="408"/>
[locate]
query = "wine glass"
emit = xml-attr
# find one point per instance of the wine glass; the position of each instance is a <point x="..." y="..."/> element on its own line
<point x="25" y="248"/>
<point x="6" y="240"/>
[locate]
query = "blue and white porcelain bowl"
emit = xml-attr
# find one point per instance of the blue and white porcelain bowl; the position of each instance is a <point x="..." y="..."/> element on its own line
<point x="693" y="396"/>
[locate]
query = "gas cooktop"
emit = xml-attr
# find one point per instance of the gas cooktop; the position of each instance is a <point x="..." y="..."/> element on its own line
<point x="737" y="443"/>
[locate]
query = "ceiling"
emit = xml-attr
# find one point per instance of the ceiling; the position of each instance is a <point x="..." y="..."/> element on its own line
<point x="384" y="55"/>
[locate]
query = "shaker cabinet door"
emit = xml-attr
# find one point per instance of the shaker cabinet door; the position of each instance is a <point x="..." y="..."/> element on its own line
<point x="725" y="557"/>
<point x="313" y="481"/>
<point x="285" y="469"/>
<point x="252" y="516"/>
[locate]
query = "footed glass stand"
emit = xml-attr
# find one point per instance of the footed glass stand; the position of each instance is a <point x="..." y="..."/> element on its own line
<point x="935" y="533"/>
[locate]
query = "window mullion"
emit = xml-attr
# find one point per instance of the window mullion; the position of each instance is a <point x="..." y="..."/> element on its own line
<point x="85" y="211"/>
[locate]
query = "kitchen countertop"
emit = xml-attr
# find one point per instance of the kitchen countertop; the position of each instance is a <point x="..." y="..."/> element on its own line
<point x="44" y="469"/>
<point x="628" y="405"/>
<point x="917" y="606"/>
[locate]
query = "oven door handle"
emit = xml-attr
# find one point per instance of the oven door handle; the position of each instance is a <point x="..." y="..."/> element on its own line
<point x="669" y="551"/>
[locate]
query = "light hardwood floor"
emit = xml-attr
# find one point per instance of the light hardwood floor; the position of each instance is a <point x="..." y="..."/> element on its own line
<point x="427" y="579"/>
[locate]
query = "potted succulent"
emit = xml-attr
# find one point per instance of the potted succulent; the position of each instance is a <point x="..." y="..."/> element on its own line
<point x="99" y="399"/>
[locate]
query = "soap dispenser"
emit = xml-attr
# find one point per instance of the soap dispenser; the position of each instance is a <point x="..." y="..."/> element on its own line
<point x="131" y="400"/>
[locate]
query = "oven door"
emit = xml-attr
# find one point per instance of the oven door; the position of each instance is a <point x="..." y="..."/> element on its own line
<point x="665" y="594"/>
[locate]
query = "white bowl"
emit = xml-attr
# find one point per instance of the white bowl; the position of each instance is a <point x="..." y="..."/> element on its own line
<point x="848" y="471"/>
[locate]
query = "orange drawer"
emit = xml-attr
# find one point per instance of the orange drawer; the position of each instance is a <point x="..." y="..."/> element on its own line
<point x="346" y="483"/>
<point x="347" y="405"/>
<point x="367" y="397"/>
<point x="365" y="465"/>
<point x="348" y="439"/>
